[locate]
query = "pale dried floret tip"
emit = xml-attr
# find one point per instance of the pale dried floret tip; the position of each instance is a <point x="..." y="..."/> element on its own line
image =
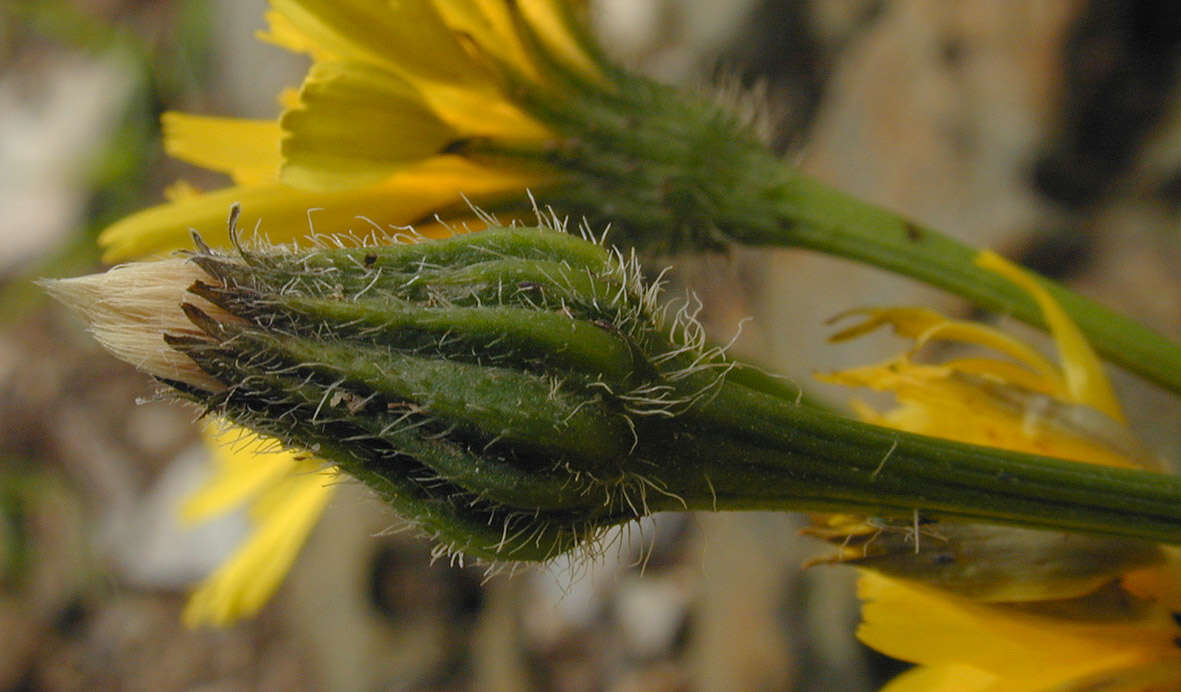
<point x="132" y="306"/>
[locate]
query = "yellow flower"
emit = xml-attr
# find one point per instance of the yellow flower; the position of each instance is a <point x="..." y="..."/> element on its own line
<point x="364" y="144"/>
<point x="1022" y="402"/>
<point x="1081" y="627"/>
<point x="1106" y="642"/>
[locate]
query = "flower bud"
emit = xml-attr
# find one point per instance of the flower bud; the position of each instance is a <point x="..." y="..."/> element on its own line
<point x="518" y="390"/>
<point x="487" y="385"/>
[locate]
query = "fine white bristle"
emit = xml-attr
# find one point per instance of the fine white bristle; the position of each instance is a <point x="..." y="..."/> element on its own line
<point x="132" y="306"/>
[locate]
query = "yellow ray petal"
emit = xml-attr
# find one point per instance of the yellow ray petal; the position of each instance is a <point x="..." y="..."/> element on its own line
<point x="287" y="99"/>
<point x="1083" y="369"/>
<point x="415" y="43"/>
<point x="1006" y="373"/>
<point x="180" y="190"/>
<point x="355" y="126"/>
<point x="247" y="150"/>
<point x="282" y="32"/>
<point x="243" y="584"/>
<point x="479" y="112"/>
<point x="271" y="499"/>
<point x="554" y="24"/>
<point x="244" y="464"/>
<point x="493" y="25"/>
<point x="925" y="325"/>
<point x="489" y="25"/>
<point x="931" y="402"/>
<point x="908" y="322"/>
<point x="950" y="677"/>
<point x="1029" y="650"/>
<point x="287" y="214"/>
<point x="980" y="335"/>
<point x="411" y="38"/>
<point x="934" y="402"/>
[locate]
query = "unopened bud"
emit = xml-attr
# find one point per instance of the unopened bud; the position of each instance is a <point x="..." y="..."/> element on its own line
<point x="518" y="390"/>
<point x="490" y="386"/>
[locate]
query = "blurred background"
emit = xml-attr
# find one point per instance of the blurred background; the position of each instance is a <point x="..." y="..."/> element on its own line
<point x="1048" y="130"/>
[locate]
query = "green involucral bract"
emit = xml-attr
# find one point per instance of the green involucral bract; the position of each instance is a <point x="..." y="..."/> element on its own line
<point x="516" y="391"/>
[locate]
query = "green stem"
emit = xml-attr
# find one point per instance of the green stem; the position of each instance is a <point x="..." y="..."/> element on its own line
<point x="774" y="206"/>
<point x="818" y="217"/>
<point x="670" y="172"/>
<point x="744" y="450"/>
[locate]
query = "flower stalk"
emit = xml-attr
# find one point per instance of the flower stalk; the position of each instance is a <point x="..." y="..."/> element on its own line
<point x="517" y="391"/>
<point x="674" y="171"/>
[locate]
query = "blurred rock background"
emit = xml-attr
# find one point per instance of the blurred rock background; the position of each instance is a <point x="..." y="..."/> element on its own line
<point x="1048" y="130"/>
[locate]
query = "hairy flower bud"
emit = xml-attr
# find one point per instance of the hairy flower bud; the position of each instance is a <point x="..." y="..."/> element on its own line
<point x="488" y="385"/>
<point x="516" y="391"/>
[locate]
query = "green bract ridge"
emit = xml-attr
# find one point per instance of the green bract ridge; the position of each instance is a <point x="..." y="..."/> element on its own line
<point x="519" y="390"/>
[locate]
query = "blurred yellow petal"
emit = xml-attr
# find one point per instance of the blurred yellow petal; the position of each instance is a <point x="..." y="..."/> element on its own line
<point x="286" y="213"/>
<point x="288" y="98"/>
<point x="282" y="32"/>
<point x="244" y="584"/>
<point x="306" y="469"/>
<point x="415" y="43"/>
<point x="246" y="150"/>
<point x="495" y="27"/>
<point x="980" y="335"/>
<point x="244" y="464"/>
<point x="908" y="322"/>
<point x="180" y="190"/>
<point x="1004" y="372"/>
<point x="1083" y="369"/>
<point x="932" y="400"/>
<point x="989" y="564"/>
<point x="923" y="325"/>
<point x="355" y="126"/>
<point x="410" y="37"/>
<point x="1149" y="677"/>
<point x="482" y="114"/>
<point x="1029" y="650"/>
<point x="553" y="22"/>
<point x="489" y="25"/>
<point x="1023" y="403"/>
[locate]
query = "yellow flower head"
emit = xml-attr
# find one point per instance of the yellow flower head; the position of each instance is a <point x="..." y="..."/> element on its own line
<point x="1026" y="610"/>
<point x="366" y="144"/>
<point x="1016" y="399"/>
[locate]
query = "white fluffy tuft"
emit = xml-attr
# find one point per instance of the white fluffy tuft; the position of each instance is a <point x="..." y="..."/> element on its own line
<point x="132" y="306"/>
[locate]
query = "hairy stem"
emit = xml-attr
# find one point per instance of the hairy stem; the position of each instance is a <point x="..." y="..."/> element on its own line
<point x="746" y="450"/>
